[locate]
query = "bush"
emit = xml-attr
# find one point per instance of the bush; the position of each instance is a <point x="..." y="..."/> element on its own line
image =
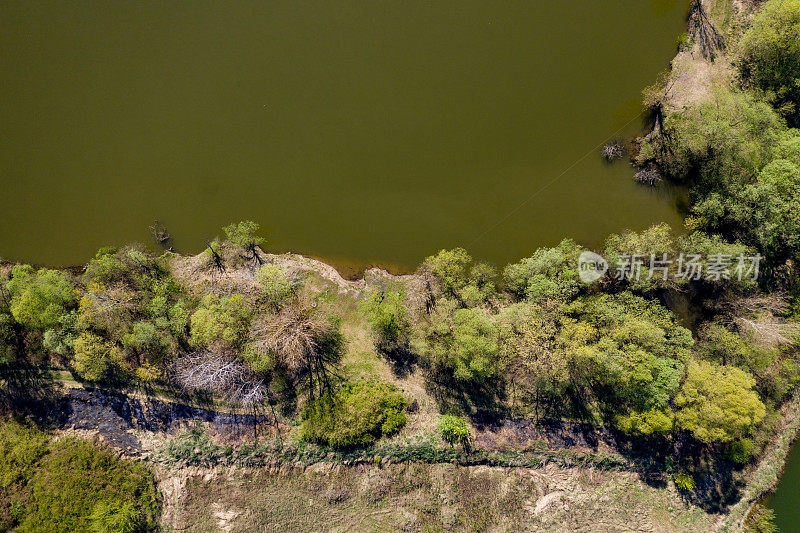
<point x="356" y="415"/>
<point x="275" y="284"/>
<point x="453" y="429"/>
<point x="76" y="483"/>
<point x="760" y="520"/>
<point x="684" y="482"/>
<point x="741" y="451"/>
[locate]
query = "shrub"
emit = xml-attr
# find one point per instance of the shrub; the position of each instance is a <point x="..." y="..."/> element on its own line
<point x="741" y="451"/>
<point x="355" y="415"/>
<point x="760" y="520"/>
<point x="684" y="482"/>
<point x="77" y="483"/>
<point x="70" y="485"/>
<point x="275" y="284"/>
<point x="453" y="429"/>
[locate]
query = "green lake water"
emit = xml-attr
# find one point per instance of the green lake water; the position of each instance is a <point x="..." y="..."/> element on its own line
<point x="786" y="499"/>
<point x="362" y="132"/>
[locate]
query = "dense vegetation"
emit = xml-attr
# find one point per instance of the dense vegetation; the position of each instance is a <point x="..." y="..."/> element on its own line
<point x="69" y="485"/>
<point x="701" y="387"/>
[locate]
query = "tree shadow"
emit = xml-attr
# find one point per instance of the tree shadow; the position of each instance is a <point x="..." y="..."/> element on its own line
<point x="28" y="391"/>
<point x="403" y="361"/>
<point x="483" y="403"/>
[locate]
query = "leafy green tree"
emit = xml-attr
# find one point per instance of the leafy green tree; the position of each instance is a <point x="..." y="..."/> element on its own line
<point x="221" y="322"/>
<point x="460" y="344"/>
<point x="355" y="415"/>
<point x="717" y="403"/>
<point x="645" y="248"/>
<point x="39" y="299"/>
<point x="146" y="343"/>
<point x="132" y="266"/>
<point x="244" y="235"/>
<point x="630" y="353"/>
<point x="531" y="359"/>
<point x="390" y="320"/>
<point x="720" y="144"/>
<point x="458" y="278"/>
<point x="769" y="53"/>
<point x="94" y="358"/>
<point x="549" y="274"/>
<point x="775" y="209"/>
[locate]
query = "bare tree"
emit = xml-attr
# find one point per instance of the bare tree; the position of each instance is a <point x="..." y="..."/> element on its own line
<point x="304" y="340"/>
<point x="761" y="317"/>
<point x="228" y="378"/>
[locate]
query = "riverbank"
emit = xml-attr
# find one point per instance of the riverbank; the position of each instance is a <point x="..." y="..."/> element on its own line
<point x="702" y="68"/>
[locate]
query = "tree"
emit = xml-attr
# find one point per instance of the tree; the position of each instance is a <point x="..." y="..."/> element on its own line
<point x="221" y="322"/>
<point x="95" y="358"/>
<point x="549" y="274"/>
<point x="717" y="403"/>
<point x="146" y="343"/>
<point x="305" y="339"/>
<point x="530" y="357"/>
<point x="769" y="53"/>
<point x="458" y="278"/>
<point x="630" y="353"/>
<point x="460" y="344"/>
<point x="390" y="320"/>
<point x="39" y="299"/>
<point x="244" y="235"/>
<point x="227" y="377"/>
